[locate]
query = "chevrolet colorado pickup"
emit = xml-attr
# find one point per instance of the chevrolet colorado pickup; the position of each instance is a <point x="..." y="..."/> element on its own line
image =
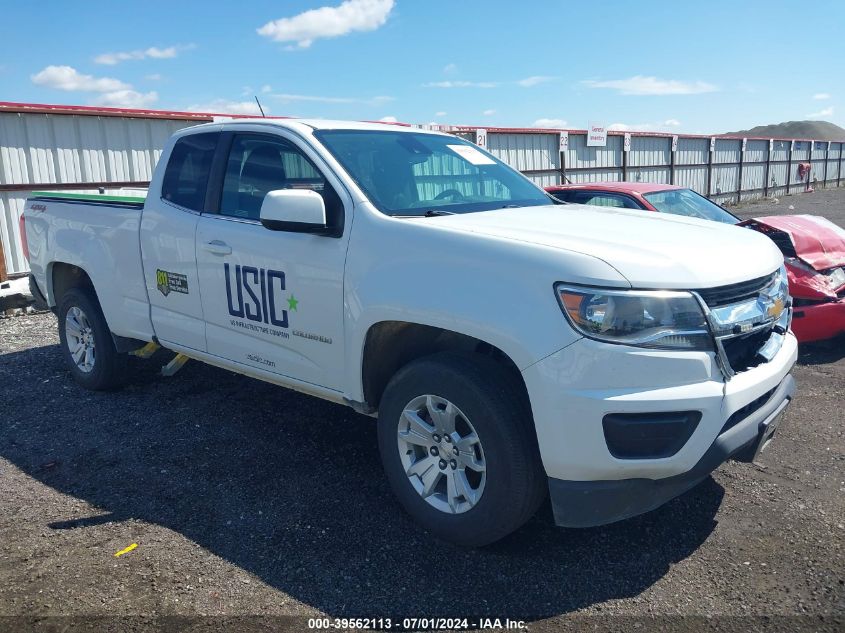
<point x="509" y="348"/>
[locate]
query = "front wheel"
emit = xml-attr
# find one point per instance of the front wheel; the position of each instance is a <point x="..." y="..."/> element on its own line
<point x="87" y="345"/>
<point x="458" y="447"/>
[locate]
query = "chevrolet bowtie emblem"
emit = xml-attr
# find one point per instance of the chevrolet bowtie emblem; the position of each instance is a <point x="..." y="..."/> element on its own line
<point x="775" y="309"/>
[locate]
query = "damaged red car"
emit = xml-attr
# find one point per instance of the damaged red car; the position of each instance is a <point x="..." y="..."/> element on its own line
<point x="813" y="247"/>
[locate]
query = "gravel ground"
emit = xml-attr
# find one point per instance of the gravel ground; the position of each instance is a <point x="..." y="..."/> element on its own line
<point x="247" y="499"/>
<point x="827" y="202"/>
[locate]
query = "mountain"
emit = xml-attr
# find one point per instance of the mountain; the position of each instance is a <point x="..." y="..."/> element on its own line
<point x="815" y="130"/>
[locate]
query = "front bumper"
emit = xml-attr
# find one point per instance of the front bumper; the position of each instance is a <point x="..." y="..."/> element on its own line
<point x="819" y="321"/>
<point x="573" y="390"/>
<point x="591" y="503"/>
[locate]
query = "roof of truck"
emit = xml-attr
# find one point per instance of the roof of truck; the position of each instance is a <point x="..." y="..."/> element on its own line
<point x="327" y="124"/>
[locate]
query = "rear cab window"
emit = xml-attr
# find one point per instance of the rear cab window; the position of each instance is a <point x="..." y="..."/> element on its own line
<point x="188" y="168"/>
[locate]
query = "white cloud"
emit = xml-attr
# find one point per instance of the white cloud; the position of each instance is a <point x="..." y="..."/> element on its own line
<point x="347" y="17"/>
<point x="821" y="96"/>
<point x="661" y="126"/>
<point x="127" y="99"/>
<point x="461" y="84"/>
<point x="441" y="113"/>
<point x="224" y="106"/>
<point x="153" y="77"/>
<point x="534" y="81"/>
<point x="641" y="85"/>
<point x="489" y="112"/>
<point x="288" y="98"/>
<point x="554" y="123"/>
<point x="388" y="119"/>
<point x="450" y="69"/>
<point x="266" y="88"/>
<point x="153" y="52"/>
<point x="68" y="78"/>
<point x="821" y="113"/>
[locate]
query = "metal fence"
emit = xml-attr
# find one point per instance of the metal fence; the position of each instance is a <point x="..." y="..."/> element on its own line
<point x="727" y="169"/>
<point x="79" y="148"/>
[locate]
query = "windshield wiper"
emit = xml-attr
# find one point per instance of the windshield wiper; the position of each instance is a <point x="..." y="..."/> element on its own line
<point x="431" y="213"/>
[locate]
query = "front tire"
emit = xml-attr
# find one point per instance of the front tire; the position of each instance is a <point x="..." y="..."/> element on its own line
<point x="459" y="450"/>
<point x="87" y="344"/>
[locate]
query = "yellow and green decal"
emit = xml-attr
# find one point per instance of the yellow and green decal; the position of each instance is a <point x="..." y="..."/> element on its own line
<point x="168" y="282"/>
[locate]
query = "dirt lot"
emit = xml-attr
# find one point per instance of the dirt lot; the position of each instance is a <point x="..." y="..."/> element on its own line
<point x="244" y="498"/>
<point x="827" y="202"/>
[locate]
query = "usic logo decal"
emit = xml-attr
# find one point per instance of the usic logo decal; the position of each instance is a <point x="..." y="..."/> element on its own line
<point x="263" y="288"/>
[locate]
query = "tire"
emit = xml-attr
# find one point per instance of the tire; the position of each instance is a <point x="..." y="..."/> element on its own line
<point x="486" y="400"/>
<point x="107" y="368"/>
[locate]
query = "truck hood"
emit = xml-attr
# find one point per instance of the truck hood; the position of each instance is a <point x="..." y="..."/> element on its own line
<point x="816" y="241"/>
<point x="650" y="250"/>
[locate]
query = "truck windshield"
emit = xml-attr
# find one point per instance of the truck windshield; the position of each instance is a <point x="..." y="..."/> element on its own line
<point x="687" y="202"/>
<point x="414" y="174"/>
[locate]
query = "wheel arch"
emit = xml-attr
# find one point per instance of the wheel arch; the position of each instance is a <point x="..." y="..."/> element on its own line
<point x="390" y="345"/>
<point x="61" y="277"/>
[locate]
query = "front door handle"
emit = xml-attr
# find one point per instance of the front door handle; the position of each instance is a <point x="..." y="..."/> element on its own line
<point x="218" y="247"/>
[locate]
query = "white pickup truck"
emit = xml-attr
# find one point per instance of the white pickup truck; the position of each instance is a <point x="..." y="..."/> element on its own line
<point x="510" y="348"/>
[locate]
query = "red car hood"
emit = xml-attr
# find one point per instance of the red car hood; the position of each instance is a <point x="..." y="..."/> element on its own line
<point x="817" y="241"/>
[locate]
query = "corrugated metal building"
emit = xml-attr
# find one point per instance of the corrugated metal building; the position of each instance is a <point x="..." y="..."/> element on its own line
<point x="64" y="148"/>
<point x="86" y="148"/>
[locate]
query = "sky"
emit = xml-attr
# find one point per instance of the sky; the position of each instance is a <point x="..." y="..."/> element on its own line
<point x="683" y="66"/>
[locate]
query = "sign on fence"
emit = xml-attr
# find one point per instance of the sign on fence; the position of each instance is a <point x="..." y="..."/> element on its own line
<point x="564" y="141"/>
<point x="596" y="135"/>
<point x="481" y="138"/>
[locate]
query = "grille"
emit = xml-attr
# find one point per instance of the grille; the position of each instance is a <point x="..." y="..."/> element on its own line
<point x="725" y="295"/>
<point x="742" y="350"/>
<point x="739" y="415"/>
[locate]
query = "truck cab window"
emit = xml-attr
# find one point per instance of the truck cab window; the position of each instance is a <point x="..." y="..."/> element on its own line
<point x="259" y="164"/>
<point x="411" y="174"/>
<point x="186" y="176"/>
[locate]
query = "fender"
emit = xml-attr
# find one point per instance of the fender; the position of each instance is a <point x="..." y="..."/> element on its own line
<point x="109" y="257"/>
<point x="491" y="289"/>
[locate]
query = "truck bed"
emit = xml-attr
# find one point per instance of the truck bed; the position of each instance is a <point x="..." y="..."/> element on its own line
<point x="99" y="234"/>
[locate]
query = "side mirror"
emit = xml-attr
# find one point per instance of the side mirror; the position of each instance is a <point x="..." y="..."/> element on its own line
<point x="294" y="210"/>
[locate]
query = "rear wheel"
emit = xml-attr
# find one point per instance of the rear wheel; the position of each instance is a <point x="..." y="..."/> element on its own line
<point x="87" y="344"/>
<point x="458" y="447"/>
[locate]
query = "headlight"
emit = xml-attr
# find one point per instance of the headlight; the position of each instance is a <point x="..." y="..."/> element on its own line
<point x="646" y="318"/>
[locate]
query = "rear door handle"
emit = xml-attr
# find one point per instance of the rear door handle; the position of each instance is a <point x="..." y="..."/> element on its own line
<point x="218" y="247"/>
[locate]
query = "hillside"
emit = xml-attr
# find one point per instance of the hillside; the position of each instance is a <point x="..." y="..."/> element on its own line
<point x="817" y="130"/>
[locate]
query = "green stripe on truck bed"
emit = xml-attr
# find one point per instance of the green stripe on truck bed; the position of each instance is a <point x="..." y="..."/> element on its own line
<point x="88" y="197"/>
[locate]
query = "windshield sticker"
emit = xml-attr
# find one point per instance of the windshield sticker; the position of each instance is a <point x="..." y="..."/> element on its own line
<point x="471" y="155"/>
<point x="168" y="282"/>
